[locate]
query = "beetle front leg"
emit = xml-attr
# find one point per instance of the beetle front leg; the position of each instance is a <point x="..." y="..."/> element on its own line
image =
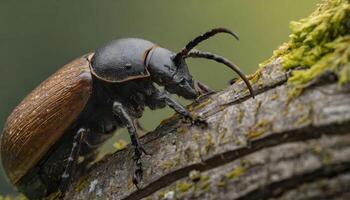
<point x="122" y="114"/>
<point x="202" y="88"/>
<point x="172" y="103"/>
<point x="72" y="161"/>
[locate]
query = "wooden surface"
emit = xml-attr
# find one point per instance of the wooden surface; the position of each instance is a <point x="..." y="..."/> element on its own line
<point x="268" y="147"/>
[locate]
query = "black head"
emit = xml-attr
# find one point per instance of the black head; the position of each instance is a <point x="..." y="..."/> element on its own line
<point x="175" y="77"/>
<point x="170" y="70"/>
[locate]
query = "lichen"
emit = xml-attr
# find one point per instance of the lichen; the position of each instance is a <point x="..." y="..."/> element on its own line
<point x="193" y="107"/>
<point x="221" y="184"/>
<point x="254" y="78"/>
<point x="323" y="154"/>
<point x="167" y="164"/>
<point x="236" y="172"/>
<point x="183" y="186"/>
<point x="259" y="129"/>
<point x="209" y="143"/>
<point x="240" y="115"/>
<point x="318" y="43"/>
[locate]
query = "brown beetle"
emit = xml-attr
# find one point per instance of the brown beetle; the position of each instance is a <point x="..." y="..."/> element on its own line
<point x="77" y="108"/>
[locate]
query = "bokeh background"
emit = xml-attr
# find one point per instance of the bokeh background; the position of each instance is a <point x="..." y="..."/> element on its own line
<point x="37" y="37"/>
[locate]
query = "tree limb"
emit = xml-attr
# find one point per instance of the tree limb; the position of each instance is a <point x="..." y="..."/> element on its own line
<point x="270" y="146"/>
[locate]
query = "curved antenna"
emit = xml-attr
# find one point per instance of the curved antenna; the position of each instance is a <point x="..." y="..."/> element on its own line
<point x="199" y="54"/>
<point x="193" y="43"/>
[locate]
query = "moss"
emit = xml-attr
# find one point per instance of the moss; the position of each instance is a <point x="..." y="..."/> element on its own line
<point x="167" y="164"/>
<point x="238" y="142"/>
<point x="259" y="129"/>
<point x="205" y="185"/>
<point x="184" y="186"/>
<point x="323" y="154"/>
<point x="200" y="105"/>
<point x="318" y="43"/>
<point x="181" y="129"/>
<point x="254" y="78"/>
<point x="236" y="172"/>
<point x="209" y="142"/>
<point x="240" y="115"/>
<point x="303" y="120"/>
<point x="244" y="162"/>
<point x="274" y="96"/>
<point x="221" y="184"/>
<point x="161" y="194"/>
<point x="196" y="136"/>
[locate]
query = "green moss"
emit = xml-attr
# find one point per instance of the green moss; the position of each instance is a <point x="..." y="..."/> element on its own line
<point x="236" y="172"/>
<point x="167" y="164"/>
<point x="318" y="43"/>
<point x="254" y="78"/>
<point x="240" y="115"/>
<point x="205" y="185"/>
<point x="209" y="142"/>
<point x="221" y="184"/>
<point x="199" y="106"/>
<point x="323" y="154"/>
<point x="259" y="129"/>
<point x="184" y="186"/>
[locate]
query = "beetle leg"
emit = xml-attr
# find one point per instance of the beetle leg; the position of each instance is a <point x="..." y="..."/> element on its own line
<point x="202" y="88"/>
<point x="120" y="112"/>
<point x="172" y="103"/>
<point x="72" y="161"/>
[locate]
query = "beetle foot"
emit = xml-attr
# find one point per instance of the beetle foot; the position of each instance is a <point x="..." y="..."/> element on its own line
<point x="197" y="120"/>
<point x="138" y="172"/>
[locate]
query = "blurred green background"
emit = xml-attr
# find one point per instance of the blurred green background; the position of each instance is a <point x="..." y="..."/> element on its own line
<point x="37" y="37"/>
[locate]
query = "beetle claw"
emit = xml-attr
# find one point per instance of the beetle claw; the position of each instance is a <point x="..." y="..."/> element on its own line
<point x="196" y="120"/>
<point x="138" y="173"/>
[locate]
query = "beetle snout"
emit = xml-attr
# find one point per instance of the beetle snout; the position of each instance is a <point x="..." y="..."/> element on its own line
<point x="187" y="90"/>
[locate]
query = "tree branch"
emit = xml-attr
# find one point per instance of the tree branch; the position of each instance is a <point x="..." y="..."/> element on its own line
<point x="270" y="146"/>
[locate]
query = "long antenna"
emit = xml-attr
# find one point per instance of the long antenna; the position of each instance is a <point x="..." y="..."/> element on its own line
<point x="193" y="43"/>
<point x="199" y="54"/>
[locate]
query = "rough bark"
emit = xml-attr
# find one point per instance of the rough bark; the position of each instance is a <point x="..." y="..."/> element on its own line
<point x="269" y="146"/>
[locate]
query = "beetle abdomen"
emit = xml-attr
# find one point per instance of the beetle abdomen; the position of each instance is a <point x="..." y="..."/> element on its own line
<point x="43" y="116"/>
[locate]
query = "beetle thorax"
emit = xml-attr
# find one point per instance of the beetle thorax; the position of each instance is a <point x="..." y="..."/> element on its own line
<point x="121" y="60"/>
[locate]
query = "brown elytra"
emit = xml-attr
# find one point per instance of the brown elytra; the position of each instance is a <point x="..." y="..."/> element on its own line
<point x="43" y="116"/>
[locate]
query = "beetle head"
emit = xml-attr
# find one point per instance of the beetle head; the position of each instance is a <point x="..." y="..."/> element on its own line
<point x="170" y="70"/>
<point x="174" y="76"/>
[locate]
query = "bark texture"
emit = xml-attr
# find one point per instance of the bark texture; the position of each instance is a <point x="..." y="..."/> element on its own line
<point x="267" y="147"/>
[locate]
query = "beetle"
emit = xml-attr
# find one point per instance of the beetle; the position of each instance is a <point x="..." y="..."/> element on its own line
<point x="80" y="106"/>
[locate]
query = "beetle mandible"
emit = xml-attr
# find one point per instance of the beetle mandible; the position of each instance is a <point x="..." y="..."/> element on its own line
<point x="77" y="108"/>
